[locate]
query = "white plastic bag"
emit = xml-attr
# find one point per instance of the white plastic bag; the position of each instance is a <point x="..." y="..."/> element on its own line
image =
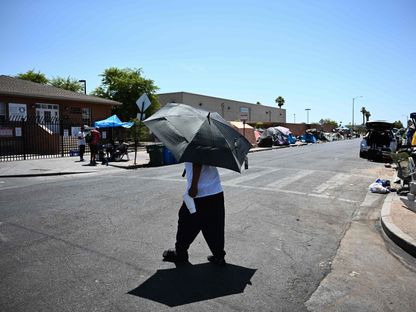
<point x="377" y="188"/>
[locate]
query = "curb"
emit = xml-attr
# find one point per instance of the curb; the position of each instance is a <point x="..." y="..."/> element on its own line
<point x="403" y="240"/>
<point x="130" y="166"/>
<point x="27" y="175"/>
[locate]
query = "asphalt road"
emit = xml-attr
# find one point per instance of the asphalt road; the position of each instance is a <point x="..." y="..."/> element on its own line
<point x="301" y="234"/>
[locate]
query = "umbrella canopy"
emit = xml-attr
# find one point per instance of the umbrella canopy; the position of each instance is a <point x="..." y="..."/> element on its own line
<point x="195" y="135"/>
<point x="112" y="122"/>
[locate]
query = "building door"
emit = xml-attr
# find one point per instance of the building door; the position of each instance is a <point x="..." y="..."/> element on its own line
<point x="47" y="115"/>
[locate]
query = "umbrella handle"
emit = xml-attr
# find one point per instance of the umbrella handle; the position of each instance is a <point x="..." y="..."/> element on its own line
<point x="246" y="163"/>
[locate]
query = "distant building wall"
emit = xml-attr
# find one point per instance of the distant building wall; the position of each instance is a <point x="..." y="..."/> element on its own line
<point x="228" y="109"/>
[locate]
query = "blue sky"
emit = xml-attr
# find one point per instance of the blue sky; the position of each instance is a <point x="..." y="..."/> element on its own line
<point x="316" y="54"/>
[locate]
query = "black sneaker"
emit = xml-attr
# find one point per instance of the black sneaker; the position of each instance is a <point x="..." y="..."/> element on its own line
<point x="216" y="261"/>
<point x="171" y="255"/>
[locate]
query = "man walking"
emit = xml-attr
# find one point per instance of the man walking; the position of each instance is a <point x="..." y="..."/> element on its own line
<point x="204" y="186"/>
<point x="81" y="144"/>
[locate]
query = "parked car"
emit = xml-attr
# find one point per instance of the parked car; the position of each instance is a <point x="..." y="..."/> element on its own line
<point x="379" y="141"/>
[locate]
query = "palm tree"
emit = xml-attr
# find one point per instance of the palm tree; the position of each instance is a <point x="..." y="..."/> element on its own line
<point x="280" y="101"/>
<point x="363" y="111"/>
<point x="367" y="115"/>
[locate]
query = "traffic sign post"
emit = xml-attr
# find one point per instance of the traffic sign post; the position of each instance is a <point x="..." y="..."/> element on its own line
<point x="243" y="117"/>
<point x="142" y="103"/>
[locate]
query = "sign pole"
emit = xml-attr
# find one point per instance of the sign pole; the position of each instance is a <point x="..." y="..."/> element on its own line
<point x="142" y="103"/>
<point x="136" y="141"/>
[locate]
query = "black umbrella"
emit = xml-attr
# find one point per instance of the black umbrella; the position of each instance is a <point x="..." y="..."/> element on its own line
<point x="195" y="135"/>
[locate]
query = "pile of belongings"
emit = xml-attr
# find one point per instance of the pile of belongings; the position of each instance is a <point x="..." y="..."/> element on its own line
<point x="274" y="136"/>
<point x="380" y="186"/>
<point x="329" y="137"/>
<point x="344" y="131"/>
<point x="310" y="136"/>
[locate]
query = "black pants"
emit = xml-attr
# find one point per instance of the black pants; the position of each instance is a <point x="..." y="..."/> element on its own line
<point x="81" y="152"/>
<point x="208" y="218"/>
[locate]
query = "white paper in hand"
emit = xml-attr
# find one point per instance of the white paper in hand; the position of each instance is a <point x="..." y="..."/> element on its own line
<point x="189" y="202"/>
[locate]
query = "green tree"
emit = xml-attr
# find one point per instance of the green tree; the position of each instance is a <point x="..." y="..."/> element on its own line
<point x="259" y="125"/>
<point x="363" y="111"/>
<point x="398" y="124"/>
<point x="31" y="75"/>
<point x="126" y="86"/>
<point x="328" y="121"/>
<point x="280" y="101"/>
<point x="69" y="83"/>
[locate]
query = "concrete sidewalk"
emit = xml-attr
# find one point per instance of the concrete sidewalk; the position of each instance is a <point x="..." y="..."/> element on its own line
<point x="72" y="165"/>
<point x="66" y="165"/>
<point x="398" y="222"/>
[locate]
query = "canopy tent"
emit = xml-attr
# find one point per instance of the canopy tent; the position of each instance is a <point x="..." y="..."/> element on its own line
<point x="246" y="130"/>
<point x="112" y="122"/>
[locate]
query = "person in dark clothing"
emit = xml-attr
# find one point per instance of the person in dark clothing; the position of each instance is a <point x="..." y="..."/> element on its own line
<point x="94" y="145"/>
<point x="204" y="188"/>
<point x="410" y="132"/>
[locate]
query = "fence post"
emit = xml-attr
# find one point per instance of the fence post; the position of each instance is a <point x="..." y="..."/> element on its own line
<point x="61" y="136"/>
<point x="23" y="138"/>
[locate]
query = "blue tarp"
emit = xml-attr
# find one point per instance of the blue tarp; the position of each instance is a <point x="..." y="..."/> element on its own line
<point x="308" y="138"/>
<point x="291" y="139"/>
<point x="112" y="122"/>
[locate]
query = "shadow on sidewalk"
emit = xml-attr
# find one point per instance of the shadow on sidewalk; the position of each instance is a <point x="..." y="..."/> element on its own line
<point x="189" y="283"/>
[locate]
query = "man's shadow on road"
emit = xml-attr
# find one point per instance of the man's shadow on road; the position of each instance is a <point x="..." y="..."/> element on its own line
<point x="189" y="283"/>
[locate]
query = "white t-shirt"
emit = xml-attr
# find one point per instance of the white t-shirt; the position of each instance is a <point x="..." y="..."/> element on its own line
<point x="81" y="138"/>
<point x="209" y="181"/>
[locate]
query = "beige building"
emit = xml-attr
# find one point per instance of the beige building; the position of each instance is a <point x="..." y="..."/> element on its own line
<point x="229" y="109"/>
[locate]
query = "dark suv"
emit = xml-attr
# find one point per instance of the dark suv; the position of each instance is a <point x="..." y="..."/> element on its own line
<point x="379" y="141"/>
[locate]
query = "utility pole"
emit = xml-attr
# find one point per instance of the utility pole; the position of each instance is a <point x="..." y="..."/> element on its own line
<point x="85" y="85"/>
<point x="353" y="99"/>
<point x="307" y="115"/>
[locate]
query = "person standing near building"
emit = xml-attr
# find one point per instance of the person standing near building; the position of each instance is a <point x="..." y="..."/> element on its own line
<point x="208" y="214"/>
<point x="410" y="132"/>
<point x="81" y="144"/>
<point x="94" y="144"/>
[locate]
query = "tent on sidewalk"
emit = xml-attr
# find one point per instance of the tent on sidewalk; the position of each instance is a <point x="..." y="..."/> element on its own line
<point x="288" y="137"/>
<point x="112" y="122"/>
<point x="274" y="136"/>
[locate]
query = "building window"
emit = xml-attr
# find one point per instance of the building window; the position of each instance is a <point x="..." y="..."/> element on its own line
<point x="86" y="116"/>
<point x="2" y="112"/>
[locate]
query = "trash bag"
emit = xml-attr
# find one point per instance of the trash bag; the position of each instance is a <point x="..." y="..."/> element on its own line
<point x="265" y="142"/>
